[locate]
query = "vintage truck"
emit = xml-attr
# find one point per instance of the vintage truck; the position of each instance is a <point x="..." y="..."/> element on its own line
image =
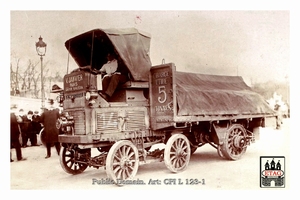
<point x="157" y="105"/>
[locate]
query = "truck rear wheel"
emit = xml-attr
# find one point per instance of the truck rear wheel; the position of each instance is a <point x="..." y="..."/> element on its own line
<point x="177" y="153"/>
<point x="122" y="162"/>
<point x="234" y="145"/>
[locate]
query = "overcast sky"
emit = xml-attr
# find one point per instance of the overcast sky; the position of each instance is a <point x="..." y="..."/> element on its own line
<point x="251" y="44"/>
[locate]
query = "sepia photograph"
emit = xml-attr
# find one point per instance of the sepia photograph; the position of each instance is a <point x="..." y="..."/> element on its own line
<point x="142" y="100"/>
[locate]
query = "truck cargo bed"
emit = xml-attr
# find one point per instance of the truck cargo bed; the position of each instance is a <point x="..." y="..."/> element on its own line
<point x="187" y="97"/>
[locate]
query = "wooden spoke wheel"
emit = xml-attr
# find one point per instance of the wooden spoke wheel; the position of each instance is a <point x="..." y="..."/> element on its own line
<point x="122" y="162"/>
<point x="73" y="160"/>
<point x="234" y="145"/>
<point x="177" y="153"/>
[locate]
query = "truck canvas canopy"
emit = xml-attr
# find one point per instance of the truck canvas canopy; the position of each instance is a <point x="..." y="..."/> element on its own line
<point x="201" y="94"/>
<point x="131" y="46"/>
<point x="182" y="96"/>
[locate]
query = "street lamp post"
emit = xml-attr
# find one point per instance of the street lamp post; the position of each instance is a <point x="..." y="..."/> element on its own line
<point x="41" y="51"/>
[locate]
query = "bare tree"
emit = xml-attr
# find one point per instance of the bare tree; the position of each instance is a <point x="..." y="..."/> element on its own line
<point x="58" y="77"/>
<point x="33" y="79"/>
<point x="36" y="78"/>
<point x="24" y="77"/>
<point x="14" y="78"/>
<point x="28" y="77"/>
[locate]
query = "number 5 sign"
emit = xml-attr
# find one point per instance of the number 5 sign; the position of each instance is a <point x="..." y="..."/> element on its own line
<point x="161" y="95"/>
<point x="162" y="92"/>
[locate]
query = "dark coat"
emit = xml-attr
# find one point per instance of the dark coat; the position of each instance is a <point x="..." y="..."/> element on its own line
<point x="25" y="125"/>
<point x="49" y="118"/>
<point x="14" y="128"/>
<point x="36" y="126"/>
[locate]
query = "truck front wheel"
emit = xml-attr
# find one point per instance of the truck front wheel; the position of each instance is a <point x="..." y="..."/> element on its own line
<point x="73" y="160"/>
<point x="122" y="162"/>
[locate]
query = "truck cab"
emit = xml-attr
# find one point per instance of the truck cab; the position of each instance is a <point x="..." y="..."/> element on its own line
<point x="89" y="118"/>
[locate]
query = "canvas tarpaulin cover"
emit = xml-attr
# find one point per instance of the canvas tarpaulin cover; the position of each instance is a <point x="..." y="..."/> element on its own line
<point x="132" y="46"/>
<point x="199" y="94"/>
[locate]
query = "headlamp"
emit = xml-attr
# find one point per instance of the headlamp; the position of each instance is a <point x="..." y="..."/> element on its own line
<point x="91" y="95"/>
<point x="87" y="95"/>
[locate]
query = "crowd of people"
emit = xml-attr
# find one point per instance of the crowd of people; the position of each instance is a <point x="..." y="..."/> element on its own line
<point x="25" y="128"/>
<point x="30" y="127"/>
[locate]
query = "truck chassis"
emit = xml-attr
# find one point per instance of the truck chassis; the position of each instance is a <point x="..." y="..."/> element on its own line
<point x="141" y="114"/>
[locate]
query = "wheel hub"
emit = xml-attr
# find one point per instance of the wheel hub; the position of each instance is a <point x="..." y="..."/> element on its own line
<point x="239" y="141"/>
<point x="125" y="162"/>
<point x="179" y="153"/>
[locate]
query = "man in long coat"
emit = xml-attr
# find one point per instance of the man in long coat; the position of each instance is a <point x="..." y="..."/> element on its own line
<point x="36" y="127"/>
<point x="15" y="133"/>
<point x="48" y="119"/>
<point x="24" y="124"/>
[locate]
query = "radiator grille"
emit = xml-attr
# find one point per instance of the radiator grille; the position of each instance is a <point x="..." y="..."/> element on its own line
<point x="107" y="121"/>
<point x="79" y="119"/>
<point x="135" y="120"/>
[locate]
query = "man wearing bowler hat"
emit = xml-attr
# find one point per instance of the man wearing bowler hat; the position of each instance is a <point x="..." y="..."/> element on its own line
<point x="49" y="118"/>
